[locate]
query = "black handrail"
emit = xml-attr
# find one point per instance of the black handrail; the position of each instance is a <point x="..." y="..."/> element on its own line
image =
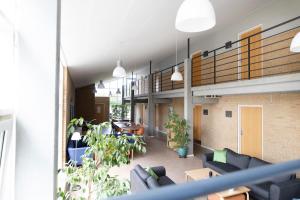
<point x="215" y="68"/>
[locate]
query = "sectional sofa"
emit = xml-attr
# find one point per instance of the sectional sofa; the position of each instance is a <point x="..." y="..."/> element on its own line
<point x="283" y="187"/>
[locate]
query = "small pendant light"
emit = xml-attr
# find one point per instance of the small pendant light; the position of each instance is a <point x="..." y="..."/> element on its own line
<point x="176" y="76"/>
<point x="101" y="85"/>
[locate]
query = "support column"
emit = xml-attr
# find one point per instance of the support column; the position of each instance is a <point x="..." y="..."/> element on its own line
<point x="37" y="63"/>
<point x="188" y="103"/>
<point x="151" y="109"/>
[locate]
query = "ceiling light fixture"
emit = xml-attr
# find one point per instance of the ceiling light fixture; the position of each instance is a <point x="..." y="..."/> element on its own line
<point x="295" y="44"/>
<point x="195" y="16"/>
<point x="176" y="76"/>
<point x="119" y="71"/>
<point x="101" y="85"/>
<point x="134" y="86"/>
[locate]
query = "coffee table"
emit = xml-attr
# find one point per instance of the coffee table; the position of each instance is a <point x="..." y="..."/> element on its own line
<point x="240" y="193"/>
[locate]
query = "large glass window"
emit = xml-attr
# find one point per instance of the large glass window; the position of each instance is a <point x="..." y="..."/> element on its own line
<point x="113" y="90"/>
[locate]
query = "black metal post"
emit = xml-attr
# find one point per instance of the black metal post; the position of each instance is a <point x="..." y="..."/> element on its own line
<point x="132" y="100"/>
<point x="188" y="48"/>
<point x="249" y="63"/>
<point x="215" y="65"/>
<point x="123" y="103"/>
<point x="171" y="80"/>
<point x="161" y="81"/>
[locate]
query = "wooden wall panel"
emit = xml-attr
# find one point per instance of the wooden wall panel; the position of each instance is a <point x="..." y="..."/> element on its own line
<point x="85" y="102"/>
<point x="227" y="66"/>
<point x="277" y="53"/>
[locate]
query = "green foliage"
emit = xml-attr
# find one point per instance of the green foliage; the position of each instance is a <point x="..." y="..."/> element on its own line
<point x="73" y="124"/>
<point x="117" y="111"/>
<point x="93" y="176"/>
<point x="180" y="128"/>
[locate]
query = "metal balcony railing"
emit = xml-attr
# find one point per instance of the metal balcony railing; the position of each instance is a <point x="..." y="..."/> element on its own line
<point x="263" y="53"/>
<point x="203" y="188"/>
<point x="142" y="86"/>
<point x="161" y="80"/>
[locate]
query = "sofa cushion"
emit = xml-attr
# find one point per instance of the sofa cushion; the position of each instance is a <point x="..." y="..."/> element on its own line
<point x="164" y="180"/>
<point x="152" y="183"/>
<point x="261" y="189"/>
<point x="222" y="168"/>
<point x="239" y="160"/>
<point x="141" y="172"/>
<point x="220" y="156"/>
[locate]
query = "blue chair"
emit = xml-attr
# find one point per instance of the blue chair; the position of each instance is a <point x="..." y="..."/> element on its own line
<point x="76" y="154"/>
<point x="107" y="130"/>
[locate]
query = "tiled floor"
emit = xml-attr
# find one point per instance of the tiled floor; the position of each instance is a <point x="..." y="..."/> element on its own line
<point x="158" y="154"/>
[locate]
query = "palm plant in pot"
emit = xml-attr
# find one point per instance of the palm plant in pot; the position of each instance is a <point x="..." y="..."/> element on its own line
<point x="180" y="129"/>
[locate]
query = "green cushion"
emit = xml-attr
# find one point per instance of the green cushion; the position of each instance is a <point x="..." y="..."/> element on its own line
<point x="151" y="173"/>
<point x="220" y="156"/>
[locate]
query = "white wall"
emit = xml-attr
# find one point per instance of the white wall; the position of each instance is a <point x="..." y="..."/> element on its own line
<point x="267" y="15"/>
<point x="37" y="57"/>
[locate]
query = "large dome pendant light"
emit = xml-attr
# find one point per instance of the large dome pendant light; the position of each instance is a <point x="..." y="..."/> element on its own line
<point x="176" y="76"/>
<point x="195" y="16"/>
<point x="119" y="71"/>
<point x="295" y="44"/>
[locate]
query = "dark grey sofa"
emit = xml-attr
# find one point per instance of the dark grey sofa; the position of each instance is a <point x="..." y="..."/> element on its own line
<point x="141" y="181"/>
<point x="283" y="187"/>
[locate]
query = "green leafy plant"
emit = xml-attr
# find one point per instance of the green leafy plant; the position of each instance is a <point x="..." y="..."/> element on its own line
<point x="117" y="110"/>
<point x="93" y="180"/>
<point x="180" y="128"/>
<point x="73" y="125"/>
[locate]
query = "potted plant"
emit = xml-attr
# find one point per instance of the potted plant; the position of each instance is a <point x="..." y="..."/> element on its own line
<point x="180" y="129"/>
<point x="94" y="180"/>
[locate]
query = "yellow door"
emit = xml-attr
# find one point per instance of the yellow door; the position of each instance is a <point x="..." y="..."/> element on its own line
<point x="255" y="54"/>
<point x="251" y="131"/>
<point x="197" y="123"/>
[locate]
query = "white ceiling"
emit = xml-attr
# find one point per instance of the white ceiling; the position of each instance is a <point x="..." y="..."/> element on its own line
<point x="93" y="31"/>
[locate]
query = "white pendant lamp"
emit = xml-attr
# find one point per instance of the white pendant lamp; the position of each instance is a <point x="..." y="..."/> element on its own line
<point x="176" y="76"/>
<point x="119" y="71"/>
<point x="101" y="85"/>
<point x="195" y="16"/>
<point x="134" y="87"/>
<point x="295" y="44"/>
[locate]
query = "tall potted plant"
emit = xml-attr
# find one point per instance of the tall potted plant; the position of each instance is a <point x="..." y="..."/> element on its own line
<point x="180" y="129"/>
<point x="93" y="180"/>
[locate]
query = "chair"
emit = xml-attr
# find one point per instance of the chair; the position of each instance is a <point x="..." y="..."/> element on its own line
<point x="140" y="131"/>
<point x="76" y="154"/>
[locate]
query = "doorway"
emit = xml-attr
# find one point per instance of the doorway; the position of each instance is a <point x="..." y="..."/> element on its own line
<point x="250" y="132"/>
<point x="197" y="111"/>
<point x="255" y="54"/>
<point x="100" y="112"/>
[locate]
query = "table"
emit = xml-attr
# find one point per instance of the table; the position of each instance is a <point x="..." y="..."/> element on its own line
<point x="127" y="126"/>
<point x="237" y="194"/>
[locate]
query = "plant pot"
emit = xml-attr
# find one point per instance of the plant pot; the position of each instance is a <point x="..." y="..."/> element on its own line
<point x="182" y="152"/>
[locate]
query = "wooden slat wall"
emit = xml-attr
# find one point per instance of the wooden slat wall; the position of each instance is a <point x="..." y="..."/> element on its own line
<point x="226" y="66"/>
<point x="196" y="69"/>
<point x="278" y="46"/>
